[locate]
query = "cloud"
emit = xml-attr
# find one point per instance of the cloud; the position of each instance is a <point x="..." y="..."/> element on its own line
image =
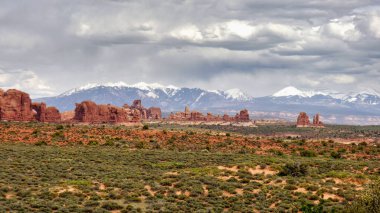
<point x="258" y="46"/>
<point x="341" y="79"/>
<point x="25" y="80"/>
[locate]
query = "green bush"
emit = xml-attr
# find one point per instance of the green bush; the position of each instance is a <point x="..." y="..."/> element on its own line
<point x="145" y="127"/>
<point x="369" y="200"/>
<point x="308" y="153"/>
<point x="294" y="169"/>
<point x="336" y="155"/>
<point x="59" y="127"/>
<point x="40" y="143"/>
<point x="109" y="205"/>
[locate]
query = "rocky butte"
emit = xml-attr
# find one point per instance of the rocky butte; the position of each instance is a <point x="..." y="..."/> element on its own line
<point x="188" y="115"/>
<point x="90" y="112"/>
<point x="304" y="121"/>
<point x="16" y="105"/>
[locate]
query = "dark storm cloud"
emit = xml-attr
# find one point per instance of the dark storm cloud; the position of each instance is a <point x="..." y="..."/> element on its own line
<point x="49" y="46"/>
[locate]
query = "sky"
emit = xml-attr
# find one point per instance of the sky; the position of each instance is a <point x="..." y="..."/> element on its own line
<point x="258" y="46"/>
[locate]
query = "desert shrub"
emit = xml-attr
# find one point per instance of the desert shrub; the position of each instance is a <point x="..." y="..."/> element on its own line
<point x="93" y="143"/>
<point x="40" y="143"/>
<point x="290" y="187"/>
<point x="336" y="155"/>
<point x="139" y="145"/>
<point x="276" y="152"/>
<point x="58" y="136"/>
<point x="368" y="201"/>
<point x="312" y="188"/>
<point x="294" y="169"/>
<point x="59" y="127"/>
<point x="308" y="153"/>
<point x="145" y="127"/>
<point x="111" y="206"/>
<point x="109" y="143"/>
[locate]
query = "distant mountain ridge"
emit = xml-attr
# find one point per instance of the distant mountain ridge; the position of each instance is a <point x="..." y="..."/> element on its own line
<point x="361" y="107"/>
<point x="168" y="97"/>
<point x="365" y="97"/>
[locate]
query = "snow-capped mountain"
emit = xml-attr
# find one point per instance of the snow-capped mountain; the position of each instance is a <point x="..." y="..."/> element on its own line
<point x="371" y="97"/>
<point x="349" y="108"/>
<point x="169" y="97"/>
<point x="292" y="91"/>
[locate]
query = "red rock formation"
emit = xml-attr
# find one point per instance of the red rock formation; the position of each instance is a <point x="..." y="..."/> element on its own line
<point x="46" y="114"/>
<point x="87" y="111"/>
<point x="243" y="116"/>
<point x="39" y="111"/>
<point x="154" y="113"/>
<point x="136" y="116"/>
<point x="90" y="112"/>
<point x="303" y="120"/>
<point x="137" y="104"/>
<point x="227" y="118"/>
<point x="316" y="121"/>
<point x="52" y="115"/>
<point x="15" y="106"/>
<point x="187" y="112"/>
<point x="67" y="116"/>
<point x="196" y="116"/>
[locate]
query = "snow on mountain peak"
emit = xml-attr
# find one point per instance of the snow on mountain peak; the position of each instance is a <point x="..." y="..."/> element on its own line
<point x="146" y="86"/>
<point x="120" y="84"/>
<point x="149" y="88"/>
<point x="293" y="91"/>
<point x="288" y="91"/>
<point x="236" y="94"/>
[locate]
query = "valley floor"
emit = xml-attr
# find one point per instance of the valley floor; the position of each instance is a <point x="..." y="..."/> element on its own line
<point x="55" y="168"/>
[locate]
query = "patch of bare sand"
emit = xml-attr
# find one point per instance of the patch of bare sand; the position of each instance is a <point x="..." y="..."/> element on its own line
<point x="259" y="170"/>
<point x="232" y="169"/>
<point x="225" y="178"/>
<point x="149" y="189"/>
<point x="102" y="186"/>
<point x="62" y="189"/>
<point x="239" y="191"/>
<point x="256" y="191"/>
<point x="9" y="196"/>
<point x="227" y="194"/>
<point x="273" y="205"/>
<point x="187" y="193"/>
<point x="205" y="190"/>
<point x="277" y="183"/>
<point x="171" y="173"/>
<point x="302" y="190"/>
<point x="327" y="196"/>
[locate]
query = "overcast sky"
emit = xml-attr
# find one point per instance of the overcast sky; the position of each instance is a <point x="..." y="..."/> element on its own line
<point x="259" y="46"/>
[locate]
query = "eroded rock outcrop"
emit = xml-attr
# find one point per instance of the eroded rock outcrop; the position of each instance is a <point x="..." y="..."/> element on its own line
<point x="154" y="113"/>
<point x="15" y="105"/>
<point x="52" y="115"/>
<point x="188" y="115"/>
<point x="316" y="121"/>
<point x="243" y="116"/>
<point x="304" y="121"/>
<point x="90" y="112"/>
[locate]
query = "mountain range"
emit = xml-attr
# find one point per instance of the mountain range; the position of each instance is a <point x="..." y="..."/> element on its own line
<point x="335" y="107"/>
